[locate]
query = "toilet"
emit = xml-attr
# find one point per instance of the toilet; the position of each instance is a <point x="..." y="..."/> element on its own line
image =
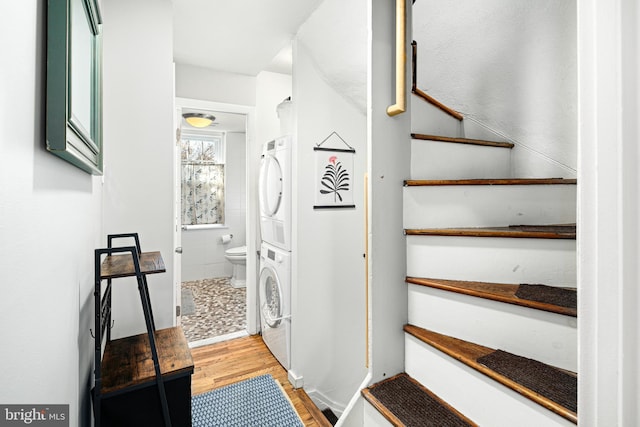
<point x="238" y="258"/>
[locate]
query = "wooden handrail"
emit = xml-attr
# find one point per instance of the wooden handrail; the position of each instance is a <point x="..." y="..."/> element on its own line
<point x="401" y="60"/>
<point x="414" y="86"/>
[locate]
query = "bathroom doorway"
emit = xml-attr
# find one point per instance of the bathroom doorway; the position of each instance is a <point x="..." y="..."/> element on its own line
<point x="212" y="208"/>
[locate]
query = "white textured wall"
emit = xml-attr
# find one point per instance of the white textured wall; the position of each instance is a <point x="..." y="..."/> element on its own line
<point x="328" y="340"/>
<point x="335" y="36"/>
<point x="511" y="65"/>
<point x="50" y="223"/>
<point x="139" y="134"/>
<point x="213" y="85"/>
<point x="202" y="250"/>
<point x="271" y="90"/>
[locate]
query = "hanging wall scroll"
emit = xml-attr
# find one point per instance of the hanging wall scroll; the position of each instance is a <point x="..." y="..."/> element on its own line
<point x="334" y="173"/>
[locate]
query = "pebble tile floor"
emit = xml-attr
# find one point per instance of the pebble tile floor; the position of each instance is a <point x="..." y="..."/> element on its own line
<point x="219" y="309"/>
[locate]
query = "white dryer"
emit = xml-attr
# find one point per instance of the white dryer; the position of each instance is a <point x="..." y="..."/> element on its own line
<point x="274" y="192"/>
<point x="274" y="293"/>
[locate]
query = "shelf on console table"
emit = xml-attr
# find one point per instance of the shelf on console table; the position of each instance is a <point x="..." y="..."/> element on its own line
<point x="115" y="266"/>
<point x="126" y="362"/>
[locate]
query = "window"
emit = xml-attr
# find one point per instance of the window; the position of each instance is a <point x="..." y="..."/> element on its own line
<point x="202" y="158"/>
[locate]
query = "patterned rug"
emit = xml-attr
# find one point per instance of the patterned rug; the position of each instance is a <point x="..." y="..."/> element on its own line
<point x="259" y="401"/>
<point x="220" y="309"/>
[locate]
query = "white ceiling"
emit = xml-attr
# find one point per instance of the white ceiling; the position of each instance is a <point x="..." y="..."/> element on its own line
<point x="224" y="122"/>
<point x="238" y="36"/>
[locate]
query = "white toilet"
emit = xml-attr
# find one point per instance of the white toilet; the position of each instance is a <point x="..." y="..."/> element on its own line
<point x="238" y="257"/>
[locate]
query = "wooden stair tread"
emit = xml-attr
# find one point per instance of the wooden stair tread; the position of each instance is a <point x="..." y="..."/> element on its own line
<point x="127" y="361"/>
<point x="115" y="266"/>
<point x="461" y="140"/>
<point x="513" y="231"/>
<point x="469" y="353"/>
<point x="502" y="292"/>
<point x="510" y="181"/>
<point x="403" y="401"/>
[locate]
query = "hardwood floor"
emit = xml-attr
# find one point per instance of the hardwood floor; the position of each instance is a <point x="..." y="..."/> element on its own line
<point x="231" y="361"/>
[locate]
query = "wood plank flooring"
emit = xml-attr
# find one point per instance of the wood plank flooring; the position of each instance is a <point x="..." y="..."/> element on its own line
<point x="235" y="360"/>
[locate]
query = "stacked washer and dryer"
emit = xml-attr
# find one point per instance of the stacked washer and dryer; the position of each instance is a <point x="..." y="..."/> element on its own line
<point x="274" y="286"/>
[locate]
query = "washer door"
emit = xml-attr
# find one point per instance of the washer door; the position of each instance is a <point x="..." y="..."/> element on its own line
<point x="271" y="304"/>
<point x="270" y="193"/>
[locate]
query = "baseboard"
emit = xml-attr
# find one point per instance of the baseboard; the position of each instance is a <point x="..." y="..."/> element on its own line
<point x="297" y="381"/>
<point x="323" y="402"/>
<point x="218" y="339"/>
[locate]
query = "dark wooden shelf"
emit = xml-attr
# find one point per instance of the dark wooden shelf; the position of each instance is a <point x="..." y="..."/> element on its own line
<point x="115" y="266"/>
<point x="127" y="361"/>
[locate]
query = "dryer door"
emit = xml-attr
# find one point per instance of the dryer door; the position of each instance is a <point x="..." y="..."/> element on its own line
<point x="271" y="304"/>
<point x="270" y="183"/>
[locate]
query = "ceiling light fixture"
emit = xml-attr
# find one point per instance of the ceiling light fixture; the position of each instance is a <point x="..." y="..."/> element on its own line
<point x="198" y="120"/>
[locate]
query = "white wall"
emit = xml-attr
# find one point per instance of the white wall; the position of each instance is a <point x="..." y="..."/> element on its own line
<point x="203" y="250"/>
<point x="271" y="90"/>
<point x="608" y="205"/>
<point x="512" y="66"/>
<point x="138" y="134"/>
<point x="338" y="54"/>
<point x="50" y="223"/>
<point x="328" y="339"/>
<point x="389" y="163"/>
<point x="213" y="85"/>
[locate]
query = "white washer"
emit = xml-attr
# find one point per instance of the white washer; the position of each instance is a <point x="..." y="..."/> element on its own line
<point x="274" y="192"/>
<point x="274" y="293"/>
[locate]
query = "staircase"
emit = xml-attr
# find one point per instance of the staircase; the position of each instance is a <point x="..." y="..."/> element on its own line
<point x="491" y="337"/>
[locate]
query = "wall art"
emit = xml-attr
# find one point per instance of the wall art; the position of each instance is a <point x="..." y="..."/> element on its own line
<point x="334" y="173"/>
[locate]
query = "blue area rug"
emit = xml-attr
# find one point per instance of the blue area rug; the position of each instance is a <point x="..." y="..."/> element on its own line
<point x="256" y="402"/>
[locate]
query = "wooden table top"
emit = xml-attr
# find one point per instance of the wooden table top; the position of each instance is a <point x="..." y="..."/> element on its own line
<point x="127" y="362"/>
<point x="122" y="265"/>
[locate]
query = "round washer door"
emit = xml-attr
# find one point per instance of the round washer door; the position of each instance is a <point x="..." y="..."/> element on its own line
<point x="270" y="297"/>
<point x="270" y="193"/>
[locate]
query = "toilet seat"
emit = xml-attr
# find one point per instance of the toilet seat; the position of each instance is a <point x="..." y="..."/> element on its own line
<point x="237" y="251"/>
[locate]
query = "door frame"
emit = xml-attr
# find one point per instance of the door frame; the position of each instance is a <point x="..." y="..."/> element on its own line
<point x="252" y="217"/>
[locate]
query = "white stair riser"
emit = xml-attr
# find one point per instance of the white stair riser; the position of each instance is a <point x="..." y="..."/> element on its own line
<point x="488" y="205"/>
<point x="446" y="160"/>
<point x="373" y="418"/>
<point x="492" y="259"/>
<point x="480" y="398"/>
<point x="547" y="337"/>
<point x="430" y="120"/>
<point x="474" y="130"/>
